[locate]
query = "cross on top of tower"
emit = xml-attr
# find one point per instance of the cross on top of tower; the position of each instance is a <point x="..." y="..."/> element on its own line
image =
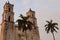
<point x="31" y="10"/>
<point x="7" y="2"/>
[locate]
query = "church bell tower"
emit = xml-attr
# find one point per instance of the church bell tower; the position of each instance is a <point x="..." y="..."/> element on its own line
<point x="35" y="33"/>
<point x="7" y="22"/>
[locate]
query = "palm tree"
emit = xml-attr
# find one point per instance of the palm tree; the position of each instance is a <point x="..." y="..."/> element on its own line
<point x="24" y="24"/>
<point x="51" y="27"/>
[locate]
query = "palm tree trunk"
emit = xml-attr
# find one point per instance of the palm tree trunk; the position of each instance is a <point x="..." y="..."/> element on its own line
<point x="26" y="35"/>
<point x="53" y="36"/>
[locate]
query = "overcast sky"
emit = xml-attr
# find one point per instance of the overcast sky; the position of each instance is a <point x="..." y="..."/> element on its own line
<point x="45" y="10"/>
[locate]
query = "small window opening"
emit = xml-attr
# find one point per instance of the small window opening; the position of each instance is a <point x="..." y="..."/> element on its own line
<point x="9" y="18"/>
<point x="9" y="10"/>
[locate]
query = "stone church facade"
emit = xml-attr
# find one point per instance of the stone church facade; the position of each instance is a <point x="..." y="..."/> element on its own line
<point x="9" y="30"/>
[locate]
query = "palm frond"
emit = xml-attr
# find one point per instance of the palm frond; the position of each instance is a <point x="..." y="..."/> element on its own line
<point x="54" y="30"/>
<point x="46" y="25"/>
<point x="54" y="24"/>
<point x="48" y="29"/>
<point x="23" y="17"/>
<point x="51" y="30"/>
<point x="27" y="17"/>
<point x="29" y="22"/>
<point x="20" y="23"/>
<point x="47" y="21"/>
<point x="56" y="27"/>
<point x="51" y="21"/>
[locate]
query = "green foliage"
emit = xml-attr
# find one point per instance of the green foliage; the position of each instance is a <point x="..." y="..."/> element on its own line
<point x="51" y="27"/>
<point x="24" y="24"/>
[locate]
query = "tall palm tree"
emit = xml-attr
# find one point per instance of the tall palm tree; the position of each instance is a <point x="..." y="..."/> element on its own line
<point x="51" y="27"/>
<point x="24" y="24"/>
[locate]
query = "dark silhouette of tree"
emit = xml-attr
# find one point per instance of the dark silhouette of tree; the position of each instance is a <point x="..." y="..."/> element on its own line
<point x="24" y="24"/>
<point x="51" y="27"/>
